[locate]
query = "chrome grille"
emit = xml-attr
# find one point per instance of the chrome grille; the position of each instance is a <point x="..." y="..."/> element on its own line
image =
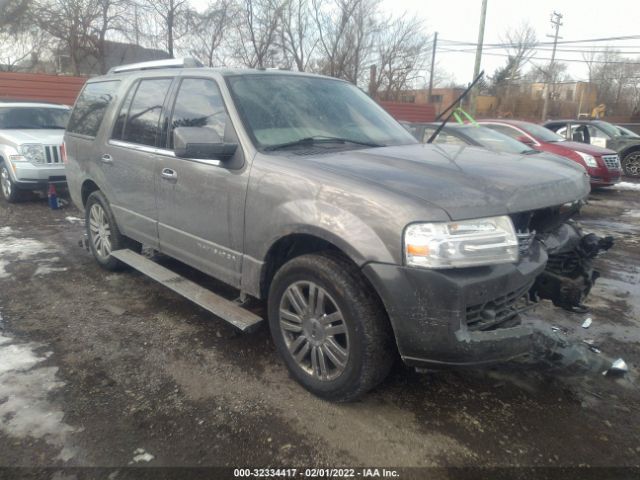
<point x="52" y="154"/>
<point x="612" y="162"/>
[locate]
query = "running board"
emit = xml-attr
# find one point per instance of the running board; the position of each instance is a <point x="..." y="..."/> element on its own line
<point x="219" y="306"/>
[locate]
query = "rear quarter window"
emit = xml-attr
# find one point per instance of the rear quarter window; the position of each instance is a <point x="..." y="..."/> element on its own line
<point x="91" y="106"/>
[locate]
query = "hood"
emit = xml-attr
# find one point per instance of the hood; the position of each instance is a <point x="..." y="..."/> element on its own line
<point x="466" y="182"/>
<point x="584" y="148"/>
<point x="45" y="137"/>
<point x="627" y="141"/>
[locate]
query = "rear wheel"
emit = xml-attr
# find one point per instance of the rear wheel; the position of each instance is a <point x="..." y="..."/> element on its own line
<point x="9" y="191"/>
<point x="631" y="164"/>
<point x="103" y="233"/>
<point x="329" y="327"/>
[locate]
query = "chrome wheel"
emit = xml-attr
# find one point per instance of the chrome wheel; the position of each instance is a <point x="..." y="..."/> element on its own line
<point x="632" y="164"/>
<point x="5" y="181"/>
<point x="99" y="230"/>
<point x="314" y="330"/>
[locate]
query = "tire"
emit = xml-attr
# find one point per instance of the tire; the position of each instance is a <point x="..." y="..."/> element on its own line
<point x="110" y="237"/>
<point x="9" y="191"/>
<point x="631" y="164"/>
<point x="347" y="313"/>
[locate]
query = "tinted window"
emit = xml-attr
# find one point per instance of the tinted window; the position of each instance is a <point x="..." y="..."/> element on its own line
<point x="509" y="131"/>
<point x="494" y="140"/>
<point x="144" y="115"/>
<point x="90" y="107"/>
<point x="541" y="133"/>
<point x="118" y="128"/>
<point x="198" y="104"/>
<point x="33" y="117"/>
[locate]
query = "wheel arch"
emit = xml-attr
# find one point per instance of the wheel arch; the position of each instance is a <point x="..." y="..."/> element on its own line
<point x="87" y="188"/>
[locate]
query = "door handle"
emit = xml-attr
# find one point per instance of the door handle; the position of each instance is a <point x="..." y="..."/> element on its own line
<point x="169" y="174"/>
<point x="106" y="158"/>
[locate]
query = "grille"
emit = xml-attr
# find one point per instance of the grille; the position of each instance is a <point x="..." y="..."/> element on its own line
<point x="52" y="154"/>
<point x="489" y="315"/>
<point x="612" y="162"/>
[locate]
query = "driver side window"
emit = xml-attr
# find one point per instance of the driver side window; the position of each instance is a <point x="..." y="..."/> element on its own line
<point x="198" y="104"/>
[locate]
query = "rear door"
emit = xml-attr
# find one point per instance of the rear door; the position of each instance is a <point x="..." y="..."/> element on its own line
<point x="201" y="202"/>
<point x="129" y="159"/>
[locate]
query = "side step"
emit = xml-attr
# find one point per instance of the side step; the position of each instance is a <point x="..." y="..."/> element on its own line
<point x="219" y="306"/>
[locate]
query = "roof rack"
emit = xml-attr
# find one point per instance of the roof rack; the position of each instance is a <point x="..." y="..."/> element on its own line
<point x="169" y="63"/>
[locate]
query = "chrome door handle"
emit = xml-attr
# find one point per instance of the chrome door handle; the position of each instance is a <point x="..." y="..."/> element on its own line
<point x="169" y="174"/>
<point x="106" y="158"/>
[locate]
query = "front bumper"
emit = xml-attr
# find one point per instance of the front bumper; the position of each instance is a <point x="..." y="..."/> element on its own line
<point x="29" y="176"/>
<point x="603" y="177"/>
<point x="428" y="310"/>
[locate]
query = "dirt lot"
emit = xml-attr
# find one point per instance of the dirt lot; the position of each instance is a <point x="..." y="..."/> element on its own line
<point x="111" y="369"/>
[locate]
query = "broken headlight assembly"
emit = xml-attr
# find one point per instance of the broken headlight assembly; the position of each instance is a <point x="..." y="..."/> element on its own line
<point x="467" y="243"/>
<point x="33" y="152"/>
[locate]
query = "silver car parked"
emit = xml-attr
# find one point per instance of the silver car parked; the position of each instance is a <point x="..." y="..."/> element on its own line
<point x="31" y="152"/>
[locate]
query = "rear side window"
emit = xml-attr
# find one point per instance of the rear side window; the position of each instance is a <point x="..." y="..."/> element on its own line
<point x="143" y="115"/>
<point x="91" y="107"/>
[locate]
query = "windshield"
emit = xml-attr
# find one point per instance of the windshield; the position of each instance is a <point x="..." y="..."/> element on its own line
<point x="493" y="140"/>
<point x="33" y="117"/>
<point x="279" y="109"/>
<point x="625" y="132"/>
<point x="541" y="133"/>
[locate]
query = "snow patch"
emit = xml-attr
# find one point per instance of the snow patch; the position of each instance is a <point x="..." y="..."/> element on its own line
<point x="74" y="220"/>
<point x="139" y="455"/>
<point x="25" y="387"/>
<point x="14" y="248"/>
<point x="627" y="186"/>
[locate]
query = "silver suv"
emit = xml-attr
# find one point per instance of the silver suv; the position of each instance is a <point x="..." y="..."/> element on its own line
<point x="31" y="151"/>
<point x="299" y="190"/>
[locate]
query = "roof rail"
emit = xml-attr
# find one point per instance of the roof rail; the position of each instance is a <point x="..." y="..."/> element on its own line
<point x="169" y="63"/>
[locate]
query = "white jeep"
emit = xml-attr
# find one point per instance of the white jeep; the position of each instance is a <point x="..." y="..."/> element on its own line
<point x="31" y="146"/>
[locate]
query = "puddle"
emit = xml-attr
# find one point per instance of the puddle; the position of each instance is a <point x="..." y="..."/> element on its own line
<point x="15" y="248"/>
<point x="26" y="384"/>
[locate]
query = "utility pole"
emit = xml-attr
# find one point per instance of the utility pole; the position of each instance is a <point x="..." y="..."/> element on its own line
<point x="476" y="67"/>
<point x="556" y="21"/>
<point x="433" y="64"/>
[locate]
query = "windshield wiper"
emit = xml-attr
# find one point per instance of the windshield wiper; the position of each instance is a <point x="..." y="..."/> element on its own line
<point x="308" y="141"/>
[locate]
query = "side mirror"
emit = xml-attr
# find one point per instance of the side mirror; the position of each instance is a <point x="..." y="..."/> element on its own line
<point x="524" y="139"/>
<point x="201" y="143"/>
<point x="577" y="137"/>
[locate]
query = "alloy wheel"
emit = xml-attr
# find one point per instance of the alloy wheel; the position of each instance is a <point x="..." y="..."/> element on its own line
<point x="314" y="330"/>
<point x="100" y="231"/>
<point x="632" y="164"/>
<point x="5" y="181"/>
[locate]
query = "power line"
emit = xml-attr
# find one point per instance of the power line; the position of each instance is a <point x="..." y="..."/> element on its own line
<point x="568" y="60"/>
<point x="564" y="42"/>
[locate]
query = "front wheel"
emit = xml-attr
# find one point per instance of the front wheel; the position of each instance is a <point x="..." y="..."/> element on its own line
<point x="103" y="233"/>
<point x="9" y="191"/>
<point x="631" y="164"/>
<point x="329" y="327"/>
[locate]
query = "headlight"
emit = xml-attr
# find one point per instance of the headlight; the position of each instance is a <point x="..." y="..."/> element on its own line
<point x="33" y="152"/>
<point x="590" y="160"/>
<point x="483" y="241"/>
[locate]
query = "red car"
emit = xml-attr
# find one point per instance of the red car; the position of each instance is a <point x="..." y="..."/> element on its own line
<point x="602" y="164"/>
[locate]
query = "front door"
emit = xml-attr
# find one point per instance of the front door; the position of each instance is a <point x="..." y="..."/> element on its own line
<point x="201" y="202"/>
<point x="130" y="162"/>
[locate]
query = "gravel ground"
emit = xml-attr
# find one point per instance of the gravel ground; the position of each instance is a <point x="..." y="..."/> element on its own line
<point x="113" y="370"/>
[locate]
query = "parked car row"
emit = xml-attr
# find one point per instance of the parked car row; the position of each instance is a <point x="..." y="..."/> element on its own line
<point x="526" y="138"/>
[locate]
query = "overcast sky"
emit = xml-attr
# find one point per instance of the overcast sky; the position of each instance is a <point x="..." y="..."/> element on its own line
<point x="583" y="19"/>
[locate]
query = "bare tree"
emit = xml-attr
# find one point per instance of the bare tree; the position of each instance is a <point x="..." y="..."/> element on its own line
<point x="171" y="19"/>
<point x="522" y="43"/>
<point x="298" y="34"/>
<point x="402" y="48"/>
<point x="346" y="30"/>
<point x="21" y="50"/>
<point x="207" y="32"/>
<point x="257" y="32"/>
